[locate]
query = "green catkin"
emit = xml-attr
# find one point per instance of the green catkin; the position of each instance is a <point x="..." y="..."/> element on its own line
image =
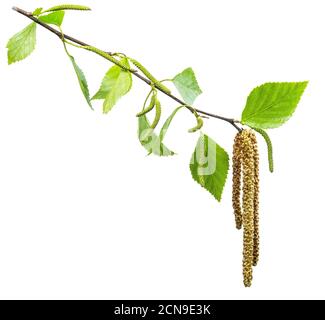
<point x="157" y="116"/>
<point x="236" y="180"/>
<point x="248" y="207"/>
<point x="68" y="7"/>
<point x="269" y="147"/>
<point x="107" y="56"/>
<point x="256" y="200"/>
<point x="146" y="72"/>
<point x="150" y="106"/>
<point x="198" y="126"/>
<point x="201" y="154"/>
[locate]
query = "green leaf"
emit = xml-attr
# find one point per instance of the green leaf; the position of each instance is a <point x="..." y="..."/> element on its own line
<point x="167" y="123"/>
<point x="150" y="141"/>
<point x="22" y="44"/>
<point x="37" y="11"/>
<point x="82" y="81"/>
<point x="116" y="83"/>
<point x="269" y="147"/>
<point x="55" y="18"/>
<point x="187" y="85"/>
<point x="81" y="77"/>
<point x="209" y="166"/>
<point x="272" y="104"/>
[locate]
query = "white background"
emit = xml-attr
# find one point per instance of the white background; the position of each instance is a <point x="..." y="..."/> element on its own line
<point x="84" y="214"/>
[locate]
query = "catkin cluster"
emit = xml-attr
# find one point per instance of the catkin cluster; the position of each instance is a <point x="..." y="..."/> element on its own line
<point x="246" y="198"/>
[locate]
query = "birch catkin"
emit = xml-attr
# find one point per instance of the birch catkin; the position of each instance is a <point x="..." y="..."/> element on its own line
<point x="248" y="207"/>
<point x="236" y="185"/>
<point x="246" y="184"/>
<point x="256" y="198"/>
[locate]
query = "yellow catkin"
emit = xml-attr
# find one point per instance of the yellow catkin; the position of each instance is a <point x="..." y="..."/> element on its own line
<point x="248" y="206"/>
<point x="256" y="200"/>
<point x="236" y="180"/>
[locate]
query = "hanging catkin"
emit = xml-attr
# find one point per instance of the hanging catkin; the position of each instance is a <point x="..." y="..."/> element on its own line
<point x="248" y="206"/>
<point x="256" y="198"/>
<point x="246" y="183"/>
<point x="236" y="185"/>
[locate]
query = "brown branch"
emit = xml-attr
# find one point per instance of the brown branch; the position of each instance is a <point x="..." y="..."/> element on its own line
<point x="135" y="73"/>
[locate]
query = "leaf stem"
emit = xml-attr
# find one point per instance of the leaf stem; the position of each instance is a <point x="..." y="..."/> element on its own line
<point x="167" y="80"/>
<point x="109" y="56"/>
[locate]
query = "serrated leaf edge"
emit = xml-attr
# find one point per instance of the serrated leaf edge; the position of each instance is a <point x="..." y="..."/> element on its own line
<point x="227" y="173"/>
<point x="256" y="125"/>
